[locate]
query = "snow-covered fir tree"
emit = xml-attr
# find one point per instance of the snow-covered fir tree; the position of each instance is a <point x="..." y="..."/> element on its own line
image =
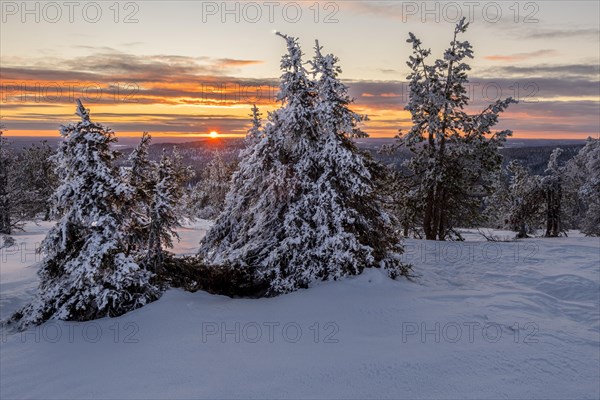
<point x="23" y="187"/>
<point x="455" y="154"/>
<point x="333" y="98"/>
<point x="207" y="198"/>
<point x="552" y="184"/>
<point x="141" y="177"/>
<point x="404" y="202"/>
<point x="524" y="201"/>
<point x="36" y="172"/>
<point x="497" y="203"/>
<point x="584" y="171"/>
<point x="182" y="172"/>
<point x="6" y="164"/>
<point x="86" y="272"/>
<point x="303" y="205"/>
<point x="163" y="217"/>
<point x="255" y="133"/>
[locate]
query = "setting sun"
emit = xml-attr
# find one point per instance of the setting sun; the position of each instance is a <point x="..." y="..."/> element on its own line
<point x="214" y="134"/>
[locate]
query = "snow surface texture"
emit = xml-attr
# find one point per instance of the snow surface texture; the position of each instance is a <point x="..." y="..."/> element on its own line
<point x="540" y="295"/>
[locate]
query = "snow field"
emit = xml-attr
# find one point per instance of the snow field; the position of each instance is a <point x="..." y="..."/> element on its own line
<point x="489" y="326"/>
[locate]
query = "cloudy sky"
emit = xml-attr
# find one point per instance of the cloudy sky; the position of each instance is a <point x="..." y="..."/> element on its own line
<point x="192" y="67"/>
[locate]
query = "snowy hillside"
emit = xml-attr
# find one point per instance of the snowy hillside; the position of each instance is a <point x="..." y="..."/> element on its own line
<point x="491" y="320"/>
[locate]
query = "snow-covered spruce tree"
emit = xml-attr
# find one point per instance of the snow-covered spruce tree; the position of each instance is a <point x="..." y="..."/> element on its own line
<point x="6" y="164"/>
<point x="19" y="197"/>
<point x="37" y="174"/>
<point x="455" y="154"/>
<point x="303" y="205"/>
<point x="163" y="216"/>
<point x="86" y="272"/>
<point x="584" y="172"/>
<point x="552" y="184"/>
<point x="525" y="201"/>
<point x="207" y="197"/>
<point x="404" y="203"/>
<point x="333" y="99"/>
<point x="590" y="191"/>
<point x="182" y="172"/>
<point x="141" y="178"/>
<point x="497" y="204"/>
<point x="255" y="133"/>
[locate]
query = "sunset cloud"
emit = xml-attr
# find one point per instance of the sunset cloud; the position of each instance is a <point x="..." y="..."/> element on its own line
<point x="522" y="56"/>
<point x="231" y="63"/>
<point x="134" y="93"/>
<point x="567" y="33"/>
<point x="122" y="66"/>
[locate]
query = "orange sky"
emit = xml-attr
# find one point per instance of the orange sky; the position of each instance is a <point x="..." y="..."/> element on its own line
<point x="190" y="105"/>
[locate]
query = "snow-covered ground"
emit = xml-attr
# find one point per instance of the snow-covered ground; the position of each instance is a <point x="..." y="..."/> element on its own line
<point x="484" y="320"/>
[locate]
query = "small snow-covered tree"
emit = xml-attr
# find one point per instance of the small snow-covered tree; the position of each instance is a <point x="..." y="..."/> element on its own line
<point x="583" y="172"/>
<point x="207" y="197"/>
<point x="141" y="177"/>
<point x="182" y="172"/>
<point x="6" y="164"/>
<point x="552" y="184"/>
<point x="455" y="154"/>
<point x="404" y="202"/>
<point x="303" y="205"/>
<point x="163" y="216"/>
<point x="255" y="133"/>
<point x="22" y="194"/>
<point x="590" y="191"/>
<point x="525" y="201"/>
<point x="497" y="204"/>
<point x="36" y="172"/>
<point x="86" y="272"/>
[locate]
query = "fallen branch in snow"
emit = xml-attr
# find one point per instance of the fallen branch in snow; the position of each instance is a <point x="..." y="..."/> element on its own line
<point x="191" y="274"/>
<point x="490" y="237"/>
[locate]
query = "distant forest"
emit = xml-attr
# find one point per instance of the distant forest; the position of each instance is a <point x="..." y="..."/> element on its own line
<point x="531" y="153"/>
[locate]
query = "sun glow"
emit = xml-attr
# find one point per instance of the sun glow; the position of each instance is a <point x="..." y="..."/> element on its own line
<point x="214" y="134"/>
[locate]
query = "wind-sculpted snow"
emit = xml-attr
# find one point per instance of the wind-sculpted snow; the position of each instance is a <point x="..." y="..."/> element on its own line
<point x="484" y="321"/>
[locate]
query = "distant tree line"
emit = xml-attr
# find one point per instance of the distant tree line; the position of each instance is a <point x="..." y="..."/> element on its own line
<point x="27" y="181"/>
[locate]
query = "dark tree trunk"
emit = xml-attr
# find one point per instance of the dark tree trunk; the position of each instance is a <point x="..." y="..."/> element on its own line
<point x="522" y="232"/>
<point x="443" y="215"/>
<point x="553" y="202"/>
<point x="428" y="216"/>
<point x="439" y="228"/>
<point x="5" y="226"/>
